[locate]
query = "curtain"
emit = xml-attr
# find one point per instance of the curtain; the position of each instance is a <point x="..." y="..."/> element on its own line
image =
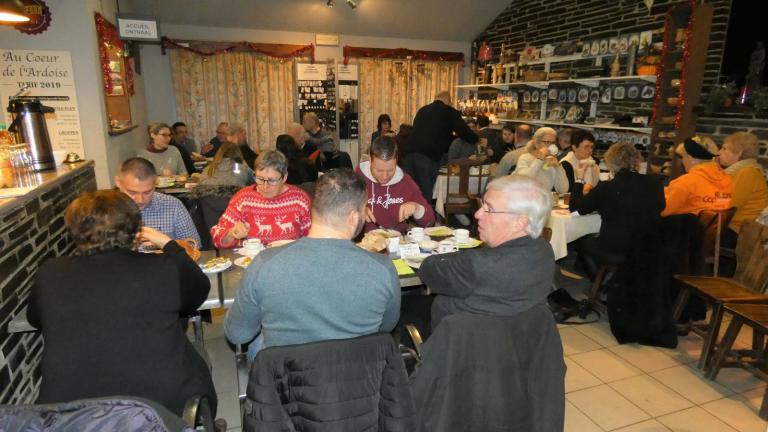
<point x="246" y="88"/>
<point x="399" y="88"/>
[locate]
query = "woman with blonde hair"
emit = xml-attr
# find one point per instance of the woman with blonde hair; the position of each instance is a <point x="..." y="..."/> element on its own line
<point x="539" y="161"/>
<point x="228" y="168"/>
<point x="166" y="159"/>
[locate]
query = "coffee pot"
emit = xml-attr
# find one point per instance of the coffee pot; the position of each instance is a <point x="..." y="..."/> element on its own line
<point x="29" y="127"/>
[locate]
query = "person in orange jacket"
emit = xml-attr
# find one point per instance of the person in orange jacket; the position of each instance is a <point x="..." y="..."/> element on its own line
<point x="705" y="186"/>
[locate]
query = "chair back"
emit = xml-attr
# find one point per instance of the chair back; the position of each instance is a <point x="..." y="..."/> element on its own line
<point x="714" y="221"/>
<point x="546" y="233"/>
<point x="752" y="256"/>
<point x="464" y="199"/>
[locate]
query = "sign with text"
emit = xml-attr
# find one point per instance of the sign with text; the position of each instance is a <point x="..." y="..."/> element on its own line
<point x="137" y="29"/>
<point x="312" y="72"/>
<point x="48" y="74"/>
<point x="347" y="72"/>
<point x="326" y="39"/>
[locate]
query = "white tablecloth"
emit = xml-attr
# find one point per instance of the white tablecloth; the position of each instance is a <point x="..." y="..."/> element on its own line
<point x="568" y="227"/>
<point x="440" y="191"/>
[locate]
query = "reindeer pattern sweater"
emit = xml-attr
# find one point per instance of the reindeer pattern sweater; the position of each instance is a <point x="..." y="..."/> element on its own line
<point x="284" y="217"/>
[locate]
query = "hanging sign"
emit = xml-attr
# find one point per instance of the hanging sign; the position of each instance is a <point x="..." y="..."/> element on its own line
<point x="140" y="29"/>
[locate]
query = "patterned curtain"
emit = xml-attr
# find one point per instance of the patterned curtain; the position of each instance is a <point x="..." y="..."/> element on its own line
<point x="399" y="88"/>
<point x="246" y="88"/>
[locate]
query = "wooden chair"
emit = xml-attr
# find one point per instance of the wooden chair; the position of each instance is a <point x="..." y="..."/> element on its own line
<point x="754" y="360"/>
<point x="746" y="286"/>
<point x="464" y="201"/>
<point x="714" y="222"/>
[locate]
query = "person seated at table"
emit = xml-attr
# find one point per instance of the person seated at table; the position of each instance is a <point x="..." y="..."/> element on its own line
<point x="317" y="136"/>
<point x="516" y="141"/>
<point x="186" y="155"/>
<point x="627" y="205"/>
<point x="181" y="137"/>
<point x="461" y="149"/>
<point x="166" y="159"/>
<point x="351" y="293"/>
<point x="300" y="136"/>
<point x="300" y="169"/>
<point x="578" y="164"/>
<point x="383" y="127"/>
<point x="393" y="196"/>
<point x="704" y="186"/>
<point x="111" y="316"/>
<point x="494" y="148"/>
<point x="539" y="163"/>
<point x="237" y="134"/>
<point x="750" y="192"/>
<point x="515" y="270"/>
<point x="210" y="149"/>
<point x="402" y="140"/>
<point x="270" y="210"/>
<point x="564" y="142"/>
<point x="227" y="168"/>
<point x="158" y="210"/>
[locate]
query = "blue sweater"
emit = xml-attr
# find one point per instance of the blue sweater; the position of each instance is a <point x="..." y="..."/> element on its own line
<point x="312" y="290"/>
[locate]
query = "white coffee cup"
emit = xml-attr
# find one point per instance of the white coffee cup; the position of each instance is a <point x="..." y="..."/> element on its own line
<point x="253" y="245"/>
<point x="447" y="246"/>
<point x="394" y="244"/>
<point x="416" y="234"/>
<point x="461" y="236"/>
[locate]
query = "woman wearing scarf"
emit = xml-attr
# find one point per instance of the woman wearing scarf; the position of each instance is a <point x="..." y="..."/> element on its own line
<point x="578" y="163"/>
<point x="167" y="160"/>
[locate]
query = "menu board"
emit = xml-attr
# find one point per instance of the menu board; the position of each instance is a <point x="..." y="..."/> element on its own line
<point x="317" y="92"/>
<point x="48" y="74"/>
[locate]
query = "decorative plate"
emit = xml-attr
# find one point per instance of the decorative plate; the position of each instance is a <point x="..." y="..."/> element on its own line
<point x="515" y="97"/>
<point x="633" y="92"/>
<point x="595" y="48"/>
<point x="585" y="49"/>
<point x="634" y="39"/>
<point x="535" y="97"/>
<point x="574" y="114"/>
<point x="606" y="98"/>
<point x="571" y="95"/>
<point x="583" y="95"/>
<point x="645" y="140"/>
<point x="562" y="96"/>
<point x="553" y="94"/>
<point x="543" y="96"/>
<point x="526" y="96"/>
<point x="623" y="44"/>
<point x="613" y="45"/>
<point x="604" y="46"/>
<point x="618" y="92"/>
<point x="594" y="96"/>
<point x="648" y="92"/>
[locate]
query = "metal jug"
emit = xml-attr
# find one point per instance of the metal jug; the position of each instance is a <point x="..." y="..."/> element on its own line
<point x="29" y="127"/>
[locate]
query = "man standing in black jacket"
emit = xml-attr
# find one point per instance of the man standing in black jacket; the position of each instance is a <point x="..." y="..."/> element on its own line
<point x="432" y="133"/>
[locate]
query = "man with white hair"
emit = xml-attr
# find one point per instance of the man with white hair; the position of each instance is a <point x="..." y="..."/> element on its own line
<point x="515" y="270"/>
<point x="300" y="136"/>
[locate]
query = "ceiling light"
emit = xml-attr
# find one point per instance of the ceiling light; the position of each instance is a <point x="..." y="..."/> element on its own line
<point x="12" y="11"/>
<point x="352" y="4"/>
<point x="329" y="3"/>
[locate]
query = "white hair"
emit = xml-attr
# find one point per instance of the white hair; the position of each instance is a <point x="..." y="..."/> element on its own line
<point x="525" y="196"/>
<point x="538" y="136"/>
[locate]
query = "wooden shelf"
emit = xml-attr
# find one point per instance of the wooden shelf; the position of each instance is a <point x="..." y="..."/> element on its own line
<point x="643" y="130"/>
<point x="589" y="82"/>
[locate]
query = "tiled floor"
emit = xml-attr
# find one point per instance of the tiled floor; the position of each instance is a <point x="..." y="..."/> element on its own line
<point x="609" y="387"/>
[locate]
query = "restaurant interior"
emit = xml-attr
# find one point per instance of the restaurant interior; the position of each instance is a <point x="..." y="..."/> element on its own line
<point x="354" y="215"/>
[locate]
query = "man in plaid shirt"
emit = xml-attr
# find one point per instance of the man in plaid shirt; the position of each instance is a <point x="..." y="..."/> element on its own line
<point x="159" y="211"/>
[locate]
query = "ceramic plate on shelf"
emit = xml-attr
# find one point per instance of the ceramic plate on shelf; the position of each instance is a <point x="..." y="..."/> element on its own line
<point x="594" y="96"/>
<point x="634" y="39"/>
<point x="633" y="92"/>
<point x="585" y="49"/>
<point x="543" y="96"/>
<point x="648" y="92"/>
<point x="606" y="98"/>
<point x="571" y="95"/>
<point x="623" y="44"/>
<point x="595" y="48"/>
<point x="618" y="92"/>
<point x="562" y="96"/>
<point x="552" y="94"/>
<point x="604" y="46"/>
<point x="583" y="95"/>
<point x="535" y="97"/>
<point x="645" y="140"/>
<point x="515" y="97"/>
<point x="526" y="96"/>
<point x="613" y="45"/>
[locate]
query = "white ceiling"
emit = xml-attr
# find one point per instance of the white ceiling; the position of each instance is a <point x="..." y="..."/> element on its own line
<point x="455" y="20"/>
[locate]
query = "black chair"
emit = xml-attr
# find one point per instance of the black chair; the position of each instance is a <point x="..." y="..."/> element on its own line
<point x="333" y="160"/>
<point x="208" y="204"/>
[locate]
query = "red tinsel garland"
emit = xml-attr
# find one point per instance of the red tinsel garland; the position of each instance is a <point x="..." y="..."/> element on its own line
<point x="401" y="53"/>
<point x="683" y="73"/>
<point x="660" y="68"/>
<point x="167" y="43"/>
<point x="108" y="37"/>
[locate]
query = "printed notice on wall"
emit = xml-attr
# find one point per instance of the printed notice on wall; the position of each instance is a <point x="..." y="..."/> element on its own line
<point x="48" y="74"/>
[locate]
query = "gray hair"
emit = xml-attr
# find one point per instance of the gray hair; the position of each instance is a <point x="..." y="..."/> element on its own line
<point x="622" y="155"/>
<point x="384" y="148"/>
<point x="538" y="136"/>
<point x="337" y="193"/>
<point x="235" y="128"/>
<point x="297" y="126"/>
<point x="525" y="196"/>
<point x="272" y="159"/>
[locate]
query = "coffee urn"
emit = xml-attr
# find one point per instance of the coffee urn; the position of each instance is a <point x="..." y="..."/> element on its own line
<point x="29" y="127"/>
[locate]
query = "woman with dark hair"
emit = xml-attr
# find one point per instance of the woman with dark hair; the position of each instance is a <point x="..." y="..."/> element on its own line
<point x="166" y="158"/>
<point x="111" y="316"/>
<point x="383" y="127"/>
<point x="300" y="169"/>
<point x="579" y="166"/>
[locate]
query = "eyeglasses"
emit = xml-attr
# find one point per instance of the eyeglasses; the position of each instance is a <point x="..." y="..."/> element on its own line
<point x="547" y="142"/>
<point x="488" y="209"/>
<point x="165" y="134"/>
<point x="271" y="182"/>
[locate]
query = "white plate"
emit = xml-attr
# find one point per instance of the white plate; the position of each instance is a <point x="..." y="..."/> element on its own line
<point x="473" y="243"/>
<point x="245" y="253"/>
<point x="416" y="263"/>
<point x="218" y="268"/>
<point x="243" y="262"/>
<point x="439" y="231"/>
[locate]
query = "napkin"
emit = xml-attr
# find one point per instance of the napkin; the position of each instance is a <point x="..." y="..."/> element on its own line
<point x="403" y="269"/>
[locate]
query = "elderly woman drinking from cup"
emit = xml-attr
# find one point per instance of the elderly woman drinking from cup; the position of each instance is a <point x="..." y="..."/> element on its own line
<point x="111" y="316"/>
<point x="540" y="163"/>
<point x="166" y="159"/>
<point x="270" y="210"/>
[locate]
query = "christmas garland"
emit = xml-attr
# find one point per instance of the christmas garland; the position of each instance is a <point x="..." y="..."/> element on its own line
<point x="167" y="43"/>
<point x="660" y="68"/>
<point x="683" y="73"/>
<point x="108" y="39"/>
<point x="401" y="53"/>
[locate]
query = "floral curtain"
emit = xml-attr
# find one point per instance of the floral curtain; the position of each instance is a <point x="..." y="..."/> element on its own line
<point x="240" y="87"/>
<point x="399" y="88"/>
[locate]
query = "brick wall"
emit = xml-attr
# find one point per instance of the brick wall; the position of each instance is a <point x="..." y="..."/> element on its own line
<point x="29" y="233"/>
<point x="540" y="22"/>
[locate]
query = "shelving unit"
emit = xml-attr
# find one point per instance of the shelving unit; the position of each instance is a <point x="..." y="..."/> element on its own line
<point x="588" y="82"/>
<point x="577" y="125"/>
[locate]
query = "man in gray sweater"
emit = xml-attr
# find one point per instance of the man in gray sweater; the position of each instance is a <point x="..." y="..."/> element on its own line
<point x="319" y="287"/>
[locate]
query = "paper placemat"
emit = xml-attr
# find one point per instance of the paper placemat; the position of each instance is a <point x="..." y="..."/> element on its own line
<point x="403" y="269"/>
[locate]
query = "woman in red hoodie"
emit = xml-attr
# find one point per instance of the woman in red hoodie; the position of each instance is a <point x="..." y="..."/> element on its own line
<point x="393" y="196"/>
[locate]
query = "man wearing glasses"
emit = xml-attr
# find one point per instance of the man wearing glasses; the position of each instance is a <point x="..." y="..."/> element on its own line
<point x="270" y="210"/>
<point x="514" y="270"/>
<point x="210" y="149"/>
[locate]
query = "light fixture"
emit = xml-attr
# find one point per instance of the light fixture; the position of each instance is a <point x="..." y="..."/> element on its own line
<point x="329" y="3"/>
<point x="12" y="11"/>
<point x="352" y="4"/>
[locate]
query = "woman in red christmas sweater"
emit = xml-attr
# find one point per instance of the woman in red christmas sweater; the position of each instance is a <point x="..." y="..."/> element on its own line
<point x="393" y="196"/>
<point x="270" y="210"/>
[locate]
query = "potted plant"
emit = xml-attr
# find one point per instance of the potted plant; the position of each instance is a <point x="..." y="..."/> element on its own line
<point x="719" y="97"/>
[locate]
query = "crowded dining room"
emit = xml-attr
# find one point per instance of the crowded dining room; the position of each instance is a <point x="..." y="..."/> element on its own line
<point x="370" y="215"/>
